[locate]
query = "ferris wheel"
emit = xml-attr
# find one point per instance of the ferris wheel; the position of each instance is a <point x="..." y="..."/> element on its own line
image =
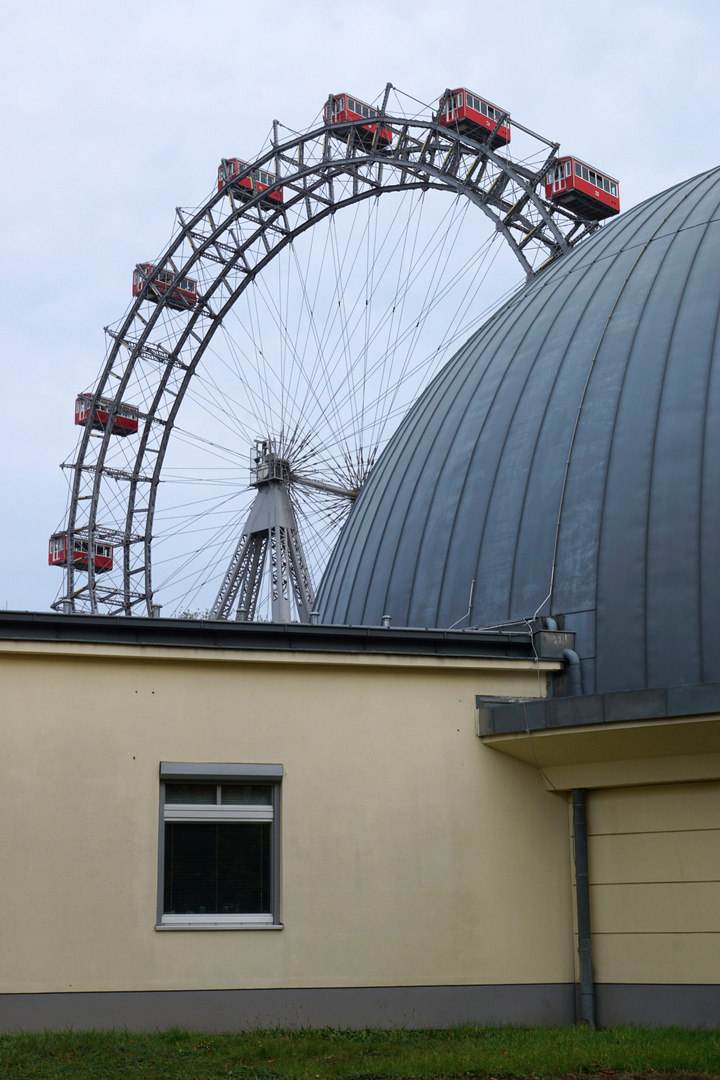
<point x="269" y="352"/>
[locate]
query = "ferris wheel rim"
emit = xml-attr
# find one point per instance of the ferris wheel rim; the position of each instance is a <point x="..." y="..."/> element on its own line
<point x="416" y="175"/>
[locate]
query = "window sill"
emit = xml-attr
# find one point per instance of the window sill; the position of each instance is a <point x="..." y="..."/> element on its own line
<point x="219" y="926"/>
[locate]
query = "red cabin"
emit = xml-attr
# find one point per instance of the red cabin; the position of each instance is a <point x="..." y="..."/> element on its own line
<point x="346" y="108"/>
<point x="58" y="553"/>
<point x="256" y="183"/>
<point x="185" y="292"/>
<point x="471" y="115"/>
<point x="583" y="190"/>
<point x="125" y="420"/>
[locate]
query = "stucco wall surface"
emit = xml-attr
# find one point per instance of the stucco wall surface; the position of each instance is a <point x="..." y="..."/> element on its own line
<point x="411" y="854"/>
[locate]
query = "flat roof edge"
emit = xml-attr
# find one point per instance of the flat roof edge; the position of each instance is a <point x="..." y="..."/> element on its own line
<point x="554" y="714"/>
<point x="323" y="637"/>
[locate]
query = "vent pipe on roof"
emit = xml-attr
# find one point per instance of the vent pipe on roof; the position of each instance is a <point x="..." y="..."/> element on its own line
<point x="386" y="621"/>
<point x="314" y="617"/>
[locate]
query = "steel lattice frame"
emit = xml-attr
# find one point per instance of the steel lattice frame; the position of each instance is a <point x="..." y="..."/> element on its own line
<point x="233" y="241"/>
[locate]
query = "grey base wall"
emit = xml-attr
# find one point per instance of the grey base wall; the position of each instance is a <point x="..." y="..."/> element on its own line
<point x="658" y="1005"/>
<point x="346" y="1007"/>
<point x="359" y="1007"/>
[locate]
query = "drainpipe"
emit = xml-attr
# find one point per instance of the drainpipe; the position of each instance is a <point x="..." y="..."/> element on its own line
<point x="573" y="660"/>
<point x="576" y="680"/>
<point x="582" y="892"/>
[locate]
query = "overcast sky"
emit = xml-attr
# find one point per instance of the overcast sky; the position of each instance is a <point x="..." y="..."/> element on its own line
<point x="116" y="113"/>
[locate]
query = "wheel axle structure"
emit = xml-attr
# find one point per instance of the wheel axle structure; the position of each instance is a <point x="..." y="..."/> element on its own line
<point x="181" y="340"/>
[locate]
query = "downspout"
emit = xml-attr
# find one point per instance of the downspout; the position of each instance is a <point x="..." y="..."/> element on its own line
<point x="586" y="1000"/>
<point x="576" y="679"/>
<point x="586" y="996"/>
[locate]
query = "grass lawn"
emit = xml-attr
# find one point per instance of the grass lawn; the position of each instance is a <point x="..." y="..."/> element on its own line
<point x="468" y="1051"/>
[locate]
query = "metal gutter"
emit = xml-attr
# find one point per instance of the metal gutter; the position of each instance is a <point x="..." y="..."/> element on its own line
<point x="664" y="703"/>
<point x="103" y="629"/>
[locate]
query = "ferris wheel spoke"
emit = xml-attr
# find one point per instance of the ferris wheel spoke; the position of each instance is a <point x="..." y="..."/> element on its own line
<point x="427" y="305"/>
<point x="347" y="381"/>
<point x="393" y="303"/>
<point x="382" y="363"/>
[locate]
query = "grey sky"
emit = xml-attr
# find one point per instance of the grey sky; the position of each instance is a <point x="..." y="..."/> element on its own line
<point x="115" y="114"/>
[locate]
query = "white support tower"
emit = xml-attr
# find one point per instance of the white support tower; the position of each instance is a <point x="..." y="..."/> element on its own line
<point x="271" y="529"/>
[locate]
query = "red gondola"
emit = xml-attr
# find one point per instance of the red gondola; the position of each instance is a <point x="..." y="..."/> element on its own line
<point x="125" y="420"/>
<point x="471" y="115"/>
<point x="256" y="183"/>
<point x="58" y="553"/>
<point x="346" y="108"/>
<point x="583" y="190"/>
<point x="185" y="292"/>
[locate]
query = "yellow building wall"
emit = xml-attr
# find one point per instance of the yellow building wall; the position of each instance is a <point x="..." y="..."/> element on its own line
<point x="411" y="854"/>
<point x="654" y="862"/>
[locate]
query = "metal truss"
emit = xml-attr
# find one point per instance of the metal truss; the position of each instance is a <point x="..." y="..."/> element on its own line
<point x="227" y="242"/>
<point x="271" y="528"/>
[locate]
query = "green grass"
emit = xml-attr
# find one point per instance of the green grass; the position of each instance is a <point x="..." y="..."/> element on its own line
<point x="306" y="1054"/>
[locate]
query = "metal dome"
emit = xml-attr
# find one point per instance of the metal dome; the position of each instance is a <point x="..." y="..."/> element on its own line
<point x="567" y="461"/>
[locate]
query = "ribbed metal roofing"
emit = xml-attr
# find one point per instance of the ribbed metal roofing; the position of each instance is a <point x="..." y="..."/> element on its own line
<point x="592" y="399"/>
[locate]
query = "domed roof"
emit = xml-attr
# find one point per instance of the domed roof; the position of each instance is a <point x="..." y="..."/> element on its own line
<point x="567" y="461"/>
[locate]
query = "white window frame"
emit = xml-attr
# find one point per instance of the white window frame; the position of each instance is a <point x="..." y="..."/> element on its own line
<point x="221" y="773"/>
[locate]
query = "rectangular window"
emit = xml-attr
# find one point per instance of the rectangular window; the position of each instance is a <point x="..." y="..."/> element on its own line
<point x="219" y="846"/>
